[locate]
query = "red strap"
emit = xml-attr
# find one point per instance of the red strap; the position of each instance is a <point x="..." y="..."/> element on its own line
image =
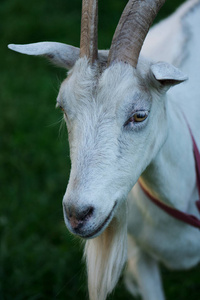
<point x="177" y="214"/>
<point x="197" y="165"/>
<point x="189" y="219"/>
<point x="197" y="162"/>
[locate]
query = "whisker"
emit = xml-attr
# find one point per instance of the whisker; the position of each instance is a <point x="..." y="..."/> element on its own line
<point x="62" y="126"/>
<point x="56" y="123"/>
<point x="67" y="283"/>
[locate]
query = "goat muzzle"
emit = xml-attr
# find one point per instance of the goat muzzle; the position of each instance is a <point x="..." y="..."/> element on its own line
<point x="77" y="217"/>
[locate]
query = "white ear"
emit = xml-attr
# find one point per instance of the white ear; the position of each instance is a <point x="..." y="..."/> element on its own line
<point x="167" y="75"/>
<point x="60" y="54"/>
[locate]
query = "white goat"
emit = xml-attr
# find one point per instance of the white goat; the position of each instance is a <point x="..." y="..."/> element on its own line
<point x="124" y="126"/>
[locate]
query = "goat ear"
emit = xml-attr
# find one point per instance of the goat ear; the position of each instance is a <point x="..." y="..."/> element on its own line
<point x="167" y="75"/>
<point x="59" y="54"/>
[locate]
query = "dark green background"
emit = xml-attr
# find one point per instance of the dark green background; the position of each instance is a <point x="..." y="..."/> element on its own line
<point x="39" y="259"/>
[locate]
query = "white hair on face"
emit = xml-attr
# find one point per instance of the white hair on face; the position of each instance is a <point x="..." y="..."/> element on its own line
<point x="105" y="257"/>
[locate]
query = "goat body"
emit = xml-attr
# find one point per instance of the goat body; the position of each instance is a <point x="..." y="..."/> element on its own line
<point x="154" y="236"/>
<point x="125" y="124"/>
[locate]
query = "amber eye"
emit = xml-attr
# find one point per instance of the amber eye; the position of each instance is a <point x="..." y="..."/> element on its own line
<point x="137" y="117"/>
<point x="140" y="116"/>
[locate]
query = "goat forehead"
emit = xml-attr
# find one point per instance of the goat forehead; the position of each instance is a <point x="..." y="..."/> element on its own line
<point x="79" y="85"/>
<point x="87" y="90"/>
<point x="119" y="86"/>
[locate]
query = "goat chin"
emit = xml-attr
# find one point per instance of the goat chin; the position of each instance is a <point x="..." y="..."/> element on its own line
<point x="105" y="257"/>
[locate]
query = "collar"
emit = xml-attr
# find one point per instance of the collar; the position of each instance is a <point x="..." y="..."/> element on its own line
<point x="177" y="214"/>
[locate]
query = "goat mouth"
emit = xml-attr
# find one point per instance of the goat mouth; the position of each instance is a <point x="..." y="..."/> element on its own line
<point x="102" y="225"/>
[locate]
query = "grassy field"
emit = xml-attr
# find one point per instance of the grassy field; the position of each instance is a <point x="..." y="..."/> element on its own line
<point x="39" y="259"/>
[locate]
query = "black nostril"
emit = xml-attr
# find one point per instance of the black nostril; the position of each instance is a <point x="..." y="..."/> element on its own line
<point x="86" y="214"/>
<point x="76" y="216"/>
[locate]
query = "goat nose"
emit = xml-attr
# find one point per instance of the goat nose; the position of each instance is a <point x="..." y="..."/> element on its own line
<point x="77" y="217"/>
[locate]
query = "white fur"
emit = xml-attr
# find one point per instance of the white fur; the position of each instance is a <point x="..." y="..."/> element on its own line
<point x="60" y="54"/>
<point x="109" y="154"/>
<point x="106" y="256"/>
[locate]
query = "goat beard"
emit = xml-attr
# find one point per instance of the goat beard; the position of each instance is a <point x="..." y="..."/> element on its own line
<point x="106" y="255"/>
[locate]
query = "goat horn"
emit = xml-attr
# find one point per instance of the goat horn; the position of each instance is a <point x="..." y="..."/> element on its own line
<point x="132" y="29"/>
<point x="89" y="22"/>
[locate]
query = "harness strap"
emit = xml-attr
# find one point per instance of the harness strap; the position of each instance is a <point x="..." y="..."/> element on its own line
<point x="177" y="214"/>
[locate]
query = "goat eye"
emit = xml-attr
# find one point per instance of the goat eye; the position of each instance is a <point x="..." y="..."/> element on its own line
<point x="140" y="116"/>
<point x="137" y="117"/>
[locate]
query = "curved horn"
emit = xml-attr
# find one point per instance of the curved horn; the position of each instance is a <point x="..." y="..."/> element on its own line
<point x="132" y="29"/>
<point x="89" y="22"/>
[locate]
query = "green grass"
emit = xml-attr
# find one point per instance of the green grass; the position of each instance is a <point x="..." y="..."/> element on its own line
<point x="39" y="259"/>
